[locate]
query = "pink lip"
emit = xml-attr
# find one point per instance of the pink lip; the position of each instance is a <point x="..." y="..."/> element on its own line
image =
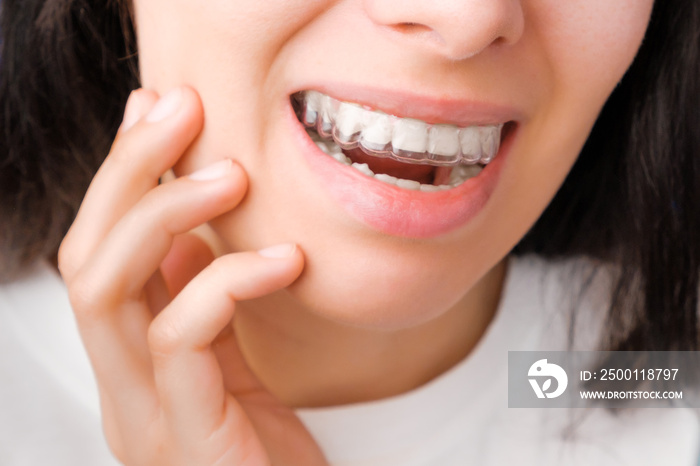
<point x="402" y="212"/>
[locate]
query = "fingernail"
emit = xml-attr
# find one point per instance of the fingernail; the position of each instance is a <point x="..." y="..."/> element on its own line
<point x="213" y="171"/>
<point x="166" y="106"/>
<point x="280" y="251"/>
<point x="132" y="112"/>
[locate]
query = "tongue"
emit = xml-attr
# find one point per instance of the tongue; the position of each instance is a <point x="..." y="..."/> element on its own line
<point x="424" y="174"/>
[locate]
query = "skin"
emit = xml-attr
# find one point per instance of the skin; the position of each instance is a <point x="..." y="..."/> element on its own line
<point x="341" y="304"/>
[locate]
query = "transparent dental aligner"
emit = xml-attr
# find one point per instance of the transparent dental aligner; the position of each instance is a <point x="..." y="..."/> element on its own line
<point x="403" y="139"/>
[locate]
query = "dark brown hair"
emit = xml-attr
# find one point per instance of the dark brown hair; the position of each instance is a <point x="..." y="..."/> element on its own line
<point x="66" y="70"/>
<point x="632" y="198"/>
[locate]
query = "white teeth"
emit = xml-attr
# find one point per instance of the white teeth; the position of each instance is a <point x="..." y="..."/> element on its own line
<point x="470" y="143"/>
<point x="490" y="138"/>
<point x="323" y="146"/>
<point x="348" y="123"/>
<point x="410" y="136"/>
<point x="386" y="178"/>
<point x="363" y="168"/>
<point x="403" y="139"/>
<point x="429" y="188"/>
<point x="312" y="108"/>
<point x="408" y="184"/>
<point x="340" y="157"/>
<point x="377" y="132"/>
<point x="443" y="144"/>
<point x="464" y="172"/>
<point x="443" y="140"/>
<point x="344" y="126"/>
<point x="327" y="114"/>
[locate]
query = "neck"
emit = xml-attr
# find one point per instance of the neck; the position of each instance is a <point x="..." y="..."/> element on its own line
<point x="308" y="361"/>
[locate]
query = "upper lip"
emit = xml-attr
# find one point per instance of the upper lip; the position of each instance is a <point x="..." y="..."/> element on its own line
<point x="433" y="109"/>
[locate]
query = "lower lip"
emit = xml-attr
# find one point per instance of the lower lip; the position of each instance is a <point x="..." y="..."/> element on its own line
<point x="395" y="211"/>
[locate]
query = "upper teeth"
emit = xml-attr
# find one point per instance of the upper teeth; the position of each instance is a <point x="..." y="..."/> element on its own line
<point x="404" y="139"/>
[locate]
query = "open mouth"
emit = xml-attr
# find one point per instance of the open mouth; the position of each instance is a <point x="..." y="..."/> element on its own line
<point x="404" y="152"/>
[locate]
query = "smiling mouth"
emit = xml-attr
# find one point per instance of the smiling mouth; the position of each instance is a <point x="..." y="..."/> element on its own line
<point x="405" y="152"/>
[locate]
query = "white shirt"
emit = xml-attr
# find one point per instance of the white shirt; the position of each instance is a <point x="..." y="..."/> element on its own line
<point x="49" y="409"/>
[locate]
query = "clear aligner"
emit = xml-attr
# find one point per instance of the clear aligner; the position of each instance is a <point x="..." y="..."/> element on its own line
<point x="403" y="139"/>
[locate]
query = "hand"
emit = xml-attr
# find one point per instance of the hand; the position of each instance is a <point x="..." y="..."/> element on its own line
<point x="174" y="387"/>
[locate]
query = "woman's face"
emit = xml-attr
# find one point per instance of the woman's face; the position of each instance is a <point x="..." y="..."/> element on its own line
<point x="450" y="72"/>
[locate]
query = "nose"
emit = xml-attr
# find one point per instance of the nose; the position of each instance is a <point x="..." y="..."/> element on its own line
<point x="456" y="29"/>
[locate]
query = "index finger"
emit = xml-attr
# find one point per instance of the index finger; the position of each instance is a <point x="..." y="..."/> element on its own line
<point x="139" y="156"/>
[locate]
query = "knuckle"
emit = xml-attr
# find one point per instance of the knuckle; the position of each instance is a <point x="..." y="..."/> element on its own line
<point x="85" y="297"/>
<point x="163" y="338"/>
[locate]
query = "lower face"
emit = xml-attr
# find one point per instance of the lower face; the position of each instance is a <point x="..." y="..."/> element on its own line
<point x="377" y="254"/>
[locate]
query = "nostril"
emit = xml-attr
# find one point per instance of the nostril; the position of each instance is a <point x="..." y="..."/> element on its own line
<point x="411" y="28"/>
<point x="418" y="32"/>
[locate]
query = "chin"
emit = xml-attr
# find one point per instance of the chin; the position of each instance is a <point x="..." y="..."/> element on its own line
<point x="376" y="295"/>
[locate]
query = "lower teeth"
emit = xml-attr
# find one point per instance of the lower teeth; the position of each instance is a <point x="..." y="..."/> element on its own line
<point x="458" y="175"/>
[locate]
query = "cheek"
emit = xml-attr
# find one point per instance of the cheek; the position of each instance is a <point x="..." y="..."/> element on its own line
<point x="585" y="48"/>
<point x="225" y="50"/>
<point x="591" y="43"/>
<point x="181" y="40"/>
<point x="588" y="45"/>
